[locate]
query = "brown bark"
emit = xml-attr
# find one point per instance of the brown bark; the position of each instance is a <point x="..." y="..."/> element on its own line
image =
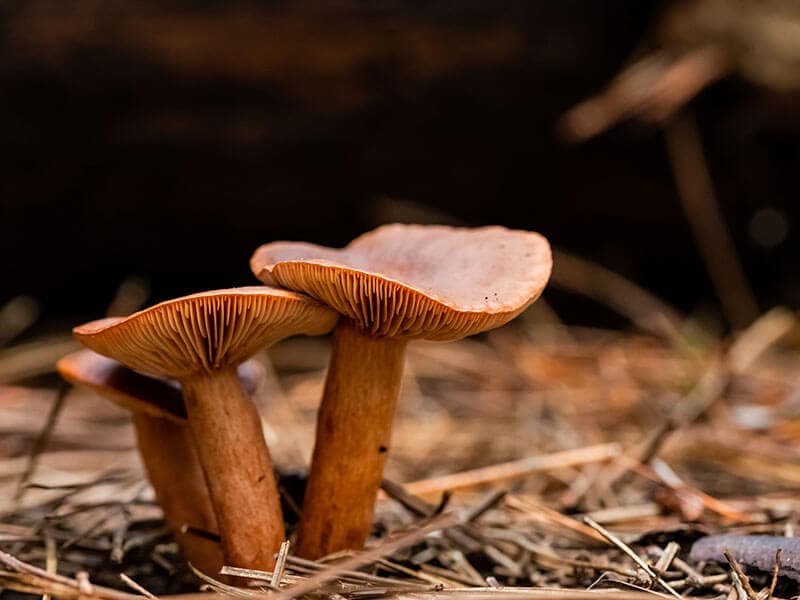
<point x="168" y="454"/>
<point x="238" y="470"/>
<point x="353" y="434"/>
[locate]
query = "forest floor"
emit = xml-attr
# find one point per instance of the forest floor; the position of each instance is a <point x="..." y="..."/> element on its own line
<point x="539" y="460"/>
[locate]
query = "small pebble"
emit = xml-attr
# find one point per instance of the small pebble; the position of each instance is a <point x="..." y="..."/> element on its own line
<point x="757" y="551"/>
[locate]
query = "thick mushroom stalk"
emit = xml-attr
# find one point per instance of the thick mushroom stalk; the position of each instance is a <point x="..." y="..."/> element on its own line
<point x="165" y="445"/>
<point x="199" y="340"/>
<point x="392" y="285"/>
<point x="354" y="426"/>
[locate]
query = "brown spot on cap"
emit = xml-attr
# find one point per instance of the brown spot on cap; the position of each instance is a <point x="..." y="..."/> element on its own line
<point x="417" y="281"/>
<point x="206" y="331"/>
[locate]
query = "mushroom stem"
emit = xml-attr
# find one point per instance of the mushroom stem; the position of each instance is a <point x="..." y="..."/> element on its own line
<point x="168" y="454"/>
<point x="229" y="439"/>
<point x="354" y="427"/>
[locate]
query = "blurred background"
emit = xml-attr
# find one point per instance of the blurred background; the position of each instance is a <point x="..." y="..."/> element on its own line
<point x="156" y="145"/>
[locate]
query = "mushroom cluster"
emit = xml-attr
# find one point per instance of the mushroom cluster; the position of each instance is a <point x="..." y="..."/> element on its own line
<point x="202" y="443"/>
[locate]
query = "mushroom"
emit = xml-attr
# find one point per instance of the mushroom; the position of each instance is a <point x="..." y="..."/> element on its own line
<point x="394" y="284"/>
<point x="199" y="340"/>
<point x="165" y="444"/>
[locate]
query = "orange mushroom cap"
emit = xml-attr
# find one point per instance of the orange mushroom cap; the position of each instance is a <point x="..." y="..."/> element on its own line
<point x="417" y="281"/>
<point x="205" y="331"/>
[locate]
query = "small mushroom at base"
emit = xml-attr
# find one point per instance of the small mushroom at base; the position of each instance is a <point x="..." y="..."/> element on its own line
<point x="165" y="445"/>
